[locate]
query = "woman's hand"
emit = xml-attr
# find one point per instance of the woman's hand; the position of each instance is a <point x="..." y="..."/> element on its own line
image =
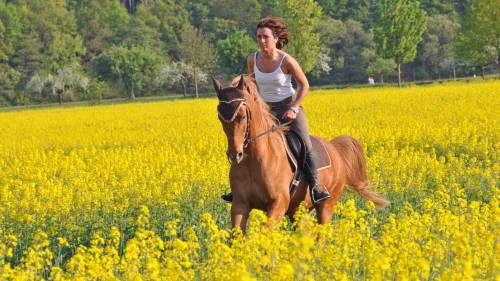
<point x="291" y="113"/>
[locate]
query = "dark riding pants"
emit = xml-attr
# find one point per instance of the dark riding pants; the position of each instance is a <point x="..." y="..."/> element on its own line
<point x="298" y="125"/>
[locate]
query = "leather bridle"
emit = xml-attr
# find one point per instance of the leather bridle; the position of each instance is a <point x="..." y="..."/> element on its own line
<point x="241" y="102"/>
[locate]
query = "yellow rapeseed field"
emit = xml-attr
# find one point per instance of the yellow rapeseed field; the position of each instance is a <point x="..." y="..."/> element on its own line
<point x="131" y="192"/>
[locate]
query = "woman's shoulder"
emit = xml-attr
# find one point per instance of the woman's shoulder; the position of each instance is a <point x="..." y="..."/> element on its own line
<point x="253" y="54"/>
<point x="251" y="57"/>
<point x="288" y="60"/>
<point x="286" y="56"/>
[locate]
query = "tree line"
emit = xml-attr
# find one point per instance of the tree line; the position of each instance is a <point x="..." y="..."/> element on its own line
<point x="65" y="50"/>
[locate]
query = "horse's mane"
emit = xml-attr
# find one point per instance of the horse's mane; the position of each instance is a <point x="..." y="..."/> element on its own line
<point x="261" y="112"/>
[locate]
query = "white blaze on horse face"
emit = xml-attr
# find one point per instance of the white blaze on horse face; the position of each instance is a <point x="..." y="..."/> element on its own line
<point x="235" y="132"/>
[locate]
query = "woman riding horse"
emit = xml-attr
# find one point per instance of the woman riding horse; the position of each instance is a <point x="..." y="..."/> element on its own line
<point x="273" y="70"/>
<point x="261" y="171"/>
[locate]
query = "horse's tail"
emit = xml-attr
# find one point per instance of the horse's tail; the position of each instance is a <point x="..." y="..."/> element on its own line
<point x="353" y="157"/>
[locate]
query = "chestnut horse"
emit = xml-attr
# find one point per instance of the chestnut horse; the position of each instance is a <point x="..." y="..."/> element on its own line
<point x="261" y="172"/>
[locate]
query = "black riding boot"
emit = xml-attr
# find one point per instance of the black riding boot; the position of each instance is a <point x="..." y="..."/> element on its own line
<point x="227" y="197"/>
<point x="312" y="176"/>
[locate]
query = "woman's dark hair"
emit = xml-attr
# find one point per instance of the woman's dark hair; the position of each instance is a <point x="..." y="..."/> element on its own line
<point x="277" y="27"/>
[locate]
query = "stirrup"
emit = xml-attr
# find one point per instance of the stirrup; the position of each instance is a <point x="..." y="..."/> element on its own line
<point x="227" y="197"/>
<point x="318" y="196"/>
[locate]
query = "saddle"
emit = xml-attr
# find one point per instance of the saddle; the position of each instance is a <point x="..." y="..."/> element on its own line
<point x="296" y="151"/>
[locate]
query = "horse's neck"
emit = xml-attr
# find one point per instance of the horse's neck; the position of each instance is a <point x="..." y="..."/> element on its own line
<point x="266" y="145"/>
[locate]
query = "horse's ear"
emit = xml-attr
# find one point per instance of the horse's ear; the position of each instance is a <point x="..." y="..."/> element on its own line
<point x="240" y="83"/>
<point x="217" y="86"/>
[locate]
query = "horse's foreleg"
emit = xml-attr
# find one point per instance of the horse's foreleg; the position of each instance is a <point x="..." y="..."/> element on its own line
<point x="324" y="213"/>
<point x="276" y="211"/>
<point x="239" y="215"/>
<point x="324" y="210"/>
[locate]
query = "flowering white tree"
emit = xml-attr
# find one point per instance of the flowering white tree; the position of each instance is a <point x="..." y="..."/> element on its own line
<point x="179" y="73"/>
<point x="168" y="76"/>
<point x="323" y="63"/>
<point x="58" y="84"/>
<point x="36" y="84"/>
<point x="198" y="54"/>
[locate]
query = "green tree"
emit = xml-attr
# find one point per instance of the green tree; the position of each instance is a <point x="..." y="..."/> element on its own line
<point x="9" y="77"/>
<point x="218" y="18"/>
<point x="436" y="48"/>
<point x="172" y="17"/>
<point x="132" y="5"/>
<point x="479" y="38"/>
<point x="199" y="12"/>
<point x="134" y="67"/>
<point x="437" y="7"/>
<point x="346" y="42"/>
<point x="57" y="26"/>
<point x="3" y="55"/>
<point x="398" y="30"/>
<point x="332" y="32"/>
<point x="233" y="51"/>
<point x="99" y="22"/>
<point x="381" y="67"/>
<point x="51" y="25"/>
<point x="460" y="6"/>
<point x="354" y="44"/>
<point x="143" y="31"/>
<point x="244" y="13"/>
<point x="10" y="30"/>
<point x="10" y="35"/>
<point x="197" y="52"/>
<point x="72" y="4"/>
<point x="364" y="11"/>
<point x="216" y="29"/>
<point x="301" y="17"/>
<point x="266" y="8"/>
<point x="158" y="25"/>
<point x="27" y="56"/>
<point x="63" y="49"/>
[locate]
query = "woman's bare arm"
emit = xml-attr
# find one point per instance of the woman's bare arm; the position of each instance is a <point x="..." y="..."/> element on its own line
<point x="293" y="67"/>
<point x="250" y="65"/>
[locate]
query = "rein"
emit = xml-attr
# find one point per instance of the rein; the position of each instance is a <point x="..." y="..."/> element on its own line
<point x="249" y="139"/>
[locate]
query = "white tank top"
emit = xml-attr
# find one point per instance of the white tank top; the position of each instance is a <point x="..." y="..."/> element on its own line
<point x="274" y="86"/>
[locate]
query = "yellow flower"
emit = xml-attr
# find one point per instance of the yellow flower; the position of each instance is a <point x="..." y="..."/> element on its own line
<point x="131" y="192"/>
